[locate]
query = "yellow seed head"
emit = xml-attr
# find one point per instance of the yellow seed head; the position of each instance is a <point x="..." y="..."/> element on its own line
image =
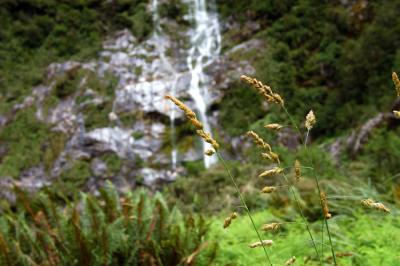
<point x="266" y="156"/>
<point x="290" y="261"/>
<point x="271" y="227"/>
<point x="196" y="123"/>
<point x="274" y="157"/>
<point x="273" y="126"/>
<point x="234" y="215"/>
<point x="188" y="112"/>
<point x="396" y="82"/>
<point x="261" y="243"/>
<point x="325" y="208"/>
<point x="227" y="222"/>
<point x="297" y="170"/>
<point x="268" y="189"/>
<point x="264" y="90"/>
<point x="258" y="140"/>
<point x="369" y="203"/>
<point x="396" y="114"/>
<point x="271" y="172"/>
<point x="278" y="99"/>
<point x="207" y="138"/>
<point x="229" y="219"/>
<point x="209" y="152"/>
<point x="310" y="120"/>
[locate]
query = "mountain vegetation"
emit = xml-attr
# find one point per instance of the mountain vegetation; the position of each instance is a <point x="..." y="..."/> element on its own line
<point x="334" y="57"/>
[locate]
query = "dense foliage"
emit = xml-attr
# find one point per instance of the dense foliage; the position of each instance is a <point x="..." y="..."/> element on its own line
<point x="37" y="33"/>
<point x="335" y="57"/>
<point x="332" y="56"/>
<point x="130" y="229"/>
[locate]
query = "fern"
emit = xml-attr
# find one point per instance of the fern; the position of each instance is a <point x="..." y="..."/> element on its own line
<point x="135" y="228"/>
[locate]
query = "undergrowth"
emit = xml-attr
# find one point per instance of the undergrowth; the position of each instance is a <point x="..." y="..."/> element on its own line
<point x="112" y="229"/>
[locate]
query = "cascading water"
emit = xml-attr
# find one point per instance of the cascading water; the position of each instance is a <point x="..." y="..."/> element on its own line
<point x="205" y="45"/>
<point x="205" y="40"/>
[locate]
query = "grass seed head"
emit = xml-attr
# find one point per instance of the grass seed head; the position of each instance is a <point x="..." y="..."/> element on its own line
<point x="310" y="120"/>
<point x="229" y="219"/>
<point x="209" y="152"/>
<point x="396" y="82"/>
<point x="274" y="157"/>
<point x="273" y="126"/>
<point x="370" y="203"/>
<point x="261" y="243"/>
<point x="263" y="90"/>
<point x="325" y="208"/>
<point x="278" y="99"/>
<point x="268" y="190"/>
<point x="271" y="172"/>
<point x="271" y="227"/>
<point x="290" y="261"/>
<point x="188" y="112"/>
<point x="259" y="141"/>
<point x="207" y="138"/>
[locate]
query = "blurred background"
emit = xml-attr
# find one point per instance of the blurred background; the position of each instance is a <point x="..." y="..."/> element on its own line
<point x="82" y="86"/>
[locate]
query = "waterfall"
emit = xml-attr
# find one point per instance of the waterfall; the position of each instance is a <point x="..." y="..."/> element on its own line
<point x="205" y="41"/>
<point x="205" y="45"/>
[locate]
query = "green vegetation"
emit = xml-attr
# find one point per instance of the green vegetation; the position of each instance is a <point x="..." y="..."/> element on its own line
<point x="37" y="33"/>
<point x="332" y="56"/>
<point x="72" y="179"/>
<point x="365" y="236"/>
<point x="24" y="140"/>
<point x="129" y="229"/>
<point x="321" y="54"/>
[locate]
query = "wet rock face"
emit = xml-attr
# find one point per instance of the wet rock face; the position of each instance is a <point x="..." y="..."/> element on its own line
<point x="135" y="118"/>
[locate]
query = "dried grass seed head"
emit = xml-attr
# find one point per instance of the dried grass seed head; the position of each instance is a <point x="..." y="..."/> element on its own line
<point x="370" y="203"/>
<point x="268" y="190"/>
<point x="229" y="219"/>
<point x="325" y="208"/>
<point x="188" y="112"/>
<point x="259" y="141"/>
<point x="290" y="261"/>
<point x="273" y="126"/>
<point x="209" y="152"/>
<point x="263" y="89"/>
<point x="271" y="172"/>
<point x="207" y="138"/>
<point x="271" y="227"/>
<point x="310" y="120"/>
<point x="396" y="82"/>
<point x="261" y="243"/>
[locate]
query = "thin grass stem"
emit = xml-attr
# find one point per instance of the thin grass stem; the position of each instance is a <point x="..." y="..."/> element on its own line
<point x="244" y="203"/>
<point x="303" y="217"/>
<point x="315" y="178"/>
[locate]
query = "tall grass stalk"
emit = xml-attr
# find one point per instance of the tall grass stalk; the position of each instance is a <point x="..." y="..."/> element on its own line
<point x="311" y="163"/>
<point x="243" y="202"/>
